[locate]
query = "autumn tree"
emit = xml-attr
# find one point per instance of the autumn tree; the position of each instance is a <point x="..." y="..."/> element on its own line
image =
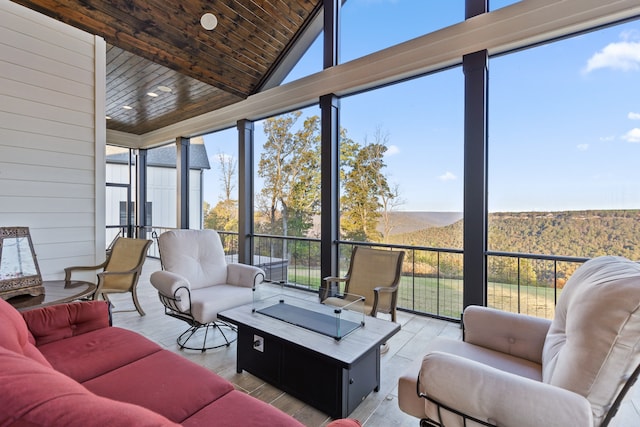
<point x="366" y="191"/>
<point x="390" y="193"/>
<point x="224" y="216"/>
<point x="290" y="167"/>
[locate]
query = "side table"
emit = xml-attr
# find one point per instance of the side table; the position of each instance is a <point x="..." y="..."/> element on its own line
<point x="55" y="292"/>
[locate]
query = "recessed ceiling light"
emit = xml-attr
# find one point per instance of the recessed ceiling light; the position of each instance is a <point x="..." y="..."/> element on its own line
<point x="164" y="88"/>
<point x="152" y="94"/>
<point x="108" y="117"/>
<point x="209" y="21"/>
<point x="126" y="107"/>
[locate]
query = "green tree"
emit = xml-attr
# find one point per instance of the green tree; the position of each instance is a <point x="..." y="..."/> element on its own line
<point x="224" y="216"/>
<point x="364" y="186"/>
<point x="290" y="167"/>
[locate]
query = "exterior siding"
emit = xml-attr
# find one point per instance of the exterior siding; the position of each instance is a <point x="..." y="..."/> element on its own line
<point x="161" y="192"/>
<point x="50" y="140"/>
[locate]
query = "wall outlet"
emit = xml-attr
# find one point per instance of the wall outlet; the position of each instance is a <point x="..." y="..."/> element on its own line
<point x="258" y="343"/>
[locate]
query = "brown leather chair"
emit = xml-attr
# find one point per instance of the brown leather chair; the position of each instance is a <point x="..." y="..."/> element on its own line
<point x="120" y="271"/>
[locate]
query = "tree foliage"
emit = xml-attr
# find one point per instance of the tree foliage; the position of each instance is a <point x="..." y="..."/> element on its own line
<point x="224" y="216"/>
<point x="367" y="196"/>
<point x="290" y="196"/>
<point x="585" y="234"/>
<point x="290" y="167"/>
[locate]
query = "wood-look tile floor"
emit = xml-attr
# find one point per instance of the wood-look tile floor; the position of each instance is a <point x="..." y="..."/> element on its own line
<point x="379" y="409"/>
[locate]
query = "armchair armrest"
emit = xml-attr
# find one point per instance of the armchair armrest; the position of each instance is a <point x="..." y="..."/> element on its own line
<point x="502" y="398"/>
<point x="174" y="287"/>
<point x="68" y="270"/>
<point x="515" y="334"/>
<point x="384" y="299"/>
<point x="56" y="322"/>
<point x="244" y="275"/>
<point x="327" y="289"/>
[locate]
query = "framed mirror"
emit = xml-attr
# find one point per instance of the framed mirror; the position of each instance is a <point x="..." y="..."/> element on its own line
<point x="19" y="271"/>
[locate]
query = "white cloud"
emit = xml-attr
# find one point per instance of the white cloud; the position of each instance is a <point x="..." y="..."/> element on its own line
<point x="623" y="56"/>
<point x="447" y="176"/>
<point x="632" y="136"/>
<point x="607" y="138"/>
<point x="392" y="150"/>
<point x="582" y="147"/>
<point x="633" y="116"/>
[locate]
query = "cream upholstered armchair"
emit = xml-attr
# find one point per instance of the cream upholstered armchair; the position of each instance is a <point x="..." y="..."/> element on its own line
<point x="516" y="370"/>
<point x="197" y="283"/>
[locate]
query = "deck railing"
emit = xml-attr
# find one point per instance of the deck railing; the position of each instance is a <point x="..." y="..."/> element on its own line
<point x="432" y="278"/>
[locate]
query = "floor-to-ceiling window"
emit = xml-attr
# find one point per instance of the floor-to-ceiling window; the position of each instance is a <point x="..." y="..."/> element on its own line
<point x="287" y="196"/>
<point x="564" y="139"/>
<point x="220" y="187"/>
<point x="369" y="26"/>
<point x="220" y="182"/>
<point x="401" y="183"/>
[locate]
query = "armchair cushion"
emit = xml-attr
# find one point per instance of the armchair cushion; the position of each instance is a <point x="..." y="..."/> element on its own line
<point x="509" y="333"/>
<point x="206" y="303"/>
<point x="195" y="254"/>
<point x="594" y="340"/>
<point x="497" y="396"/>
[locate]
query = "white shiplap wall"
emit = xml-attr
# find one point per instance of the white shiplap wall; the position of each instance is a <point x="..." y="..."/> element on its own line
<point x="52" y="137"/>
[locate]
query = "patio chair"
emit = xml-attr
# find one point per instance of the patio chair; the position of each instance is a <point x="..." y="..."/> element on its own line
<point x="196" y="283"/>
<point x="373" y="274"/>
<point x="120" y="271"/>
<point x="517" y="370"/>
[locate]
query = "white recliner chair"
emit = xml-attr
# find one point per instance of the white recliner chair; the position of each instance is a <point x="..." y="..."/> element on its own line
<point x="197" y="283"/>
<point x="517" y="370"/>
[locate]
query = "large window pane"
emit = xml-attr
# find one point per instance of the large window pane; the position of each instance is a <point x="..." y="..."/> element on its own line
<point x="309" y="63"/>
<point x="402" y="183"/>
<point x="368" y="26"/>
<point x="220" y="182"/>
<point x="498" y="4"/>
<point x="563" y="176"/>
<point x="287" y="196"/>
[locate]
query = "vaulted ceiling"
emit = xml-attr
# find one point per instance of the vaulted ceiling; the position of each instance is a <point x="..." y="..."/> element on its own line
<point x="167" y="68"/>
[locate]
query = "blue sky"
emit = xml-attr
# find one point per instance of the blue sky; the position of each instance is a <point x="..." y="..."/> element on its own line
<point x="564" y="118"/>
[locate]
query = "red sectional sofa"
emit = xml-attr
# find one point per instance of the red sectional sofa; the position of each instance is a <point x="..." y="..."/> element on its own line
<point x="65" y="365"/>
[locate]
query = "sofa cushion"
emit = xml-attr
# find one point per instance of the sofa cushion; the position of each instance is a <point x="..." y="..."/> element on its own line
<point x="165" y="383"/>
<point x="86" y="356"/>
<point x="15" y="336"/>
<point x="592" y="344"/>
<point x="239" y="409"/>
<point x="35" y="395"/>
<point x="56" y="322"/>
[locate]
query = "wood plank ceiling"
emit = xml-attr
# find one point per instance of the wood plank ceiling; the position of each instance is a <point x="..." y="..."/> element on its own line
<point x="158" y="44"/>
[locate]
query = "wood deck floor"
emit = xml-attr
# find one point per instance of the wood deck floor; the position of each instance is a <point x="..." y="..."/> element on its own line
<point x="378" y="409"/>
